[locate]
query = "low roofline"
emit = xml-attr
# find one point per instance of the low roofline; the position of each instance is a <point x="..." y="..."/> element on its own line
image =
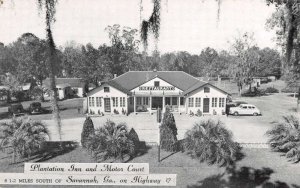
<point x="207" y="83"/>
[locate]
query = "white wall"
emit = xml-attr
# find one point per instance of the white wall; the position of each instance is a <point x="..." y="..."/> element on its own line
<point x="156" y="92"/>
<point x="113" y="92"/>
<point x="213" y="93"/>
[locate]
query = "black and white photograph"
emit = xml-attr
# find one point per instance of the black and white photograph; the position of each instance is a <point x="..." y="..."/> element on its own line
<point x="150" y="93"/>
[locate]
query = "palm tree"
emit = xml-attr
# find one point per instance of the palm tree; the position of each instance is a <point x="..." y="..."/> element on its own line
<point x="111" y="141"/>
<point x="49" y="7"/>
<point x="285" y="137"/>
<point x="25" y="136"/>
<point x="211" y="142"/>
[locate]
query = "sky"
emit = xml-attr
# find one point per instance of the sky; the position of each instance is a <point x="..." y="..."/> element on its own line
<point x="189" y="25"/>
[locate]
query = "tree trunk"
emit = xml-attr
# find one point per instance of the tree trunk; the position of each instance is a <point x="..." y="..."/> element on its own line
<point x="292" y="30"/>
<point x="42" y="94"/>
<point x="51" y="65"/>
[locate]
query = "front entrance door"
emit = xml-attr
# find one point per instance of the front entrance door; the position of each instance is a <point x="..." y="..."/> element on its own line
<point x="206" y="105"/>
<point x="107" y="105"/>
<point x="157" y="102"/>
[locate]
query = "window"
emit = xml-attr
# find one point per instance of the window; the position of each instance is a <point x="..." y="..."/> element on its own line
<point x="168" y="101"/>
<point x="122" y="101"/>
<point x="206" y="89"/>
<point x="106" y="89"/>
<point x="117" y="99"/>
<point x="191" y="102"/>
<point x="174" y="100"/>
<point x="90" y="101"/>
<point x="139" y="100"/>
<point x="221" y="102"/>
<point x="93" y="101"/>
<point x="198" y="102"/>
<point x="214" y="102"/>
<point x="145" y="100"/>
<point x="244" y="107"/>
<point x="98" y="101"/>
<point x="156" y="83"/>
<point x="181" y="101"/>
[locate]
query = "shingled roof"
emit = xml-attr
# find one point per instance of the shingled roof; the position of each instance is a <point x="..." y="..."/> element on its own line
<point x="133" y="79"/>
<point x="73" y="82"/>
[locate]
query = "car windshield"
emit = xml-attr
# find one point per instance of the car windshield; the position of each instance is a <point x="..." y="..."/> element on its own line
<point x="36" y="104"/>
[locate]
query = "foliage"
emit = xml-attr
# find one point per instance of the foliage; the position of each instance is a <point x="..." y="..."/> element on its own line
<point x="132" y="135"/>
<point x="285" y="137"/>
<point x="111" y="141"/>
<point x="271" y="90"/>
<point x="254" y="92"/>
<point x="49" y="6"/>
<point x="152" y="24"/>
<point x="37" y="92"/>
<point x="88" y="131"/>
<point x="168" y="132"/>
<point x="211" y="142"/>
<point x="25" y="136"/>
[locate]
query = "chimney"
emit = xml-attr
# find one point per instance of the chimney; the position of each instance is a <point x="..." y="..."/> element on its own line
<point x="115" y="75"/>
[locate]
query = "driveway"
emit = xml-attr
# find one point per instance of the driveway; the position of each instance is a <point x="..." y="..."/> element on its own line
<point x="244" y="129"/>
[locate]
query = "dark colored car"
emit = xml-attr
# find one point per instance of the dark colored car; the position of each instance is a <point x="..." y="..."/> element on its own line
<point x="35" y="108"/>
<point x="16" y="109"/>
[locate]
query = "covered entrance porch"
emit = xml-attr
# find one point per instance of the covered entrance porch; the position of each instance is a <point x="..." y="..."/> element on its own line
<point x="150" y="104"/>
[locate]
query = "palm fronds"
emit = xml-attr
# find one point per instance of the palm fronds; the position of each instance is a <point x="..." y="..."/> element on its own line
<point x="209" y="141"/>
<point x="111" y="141"/>
<point x="285" y="137"/>
<point x="25" y="136"/>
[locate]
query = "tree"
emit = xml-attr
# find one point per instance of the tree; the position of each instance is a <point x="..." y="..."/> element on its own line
<point x="168" y="132"/>
<point x="25" y="136"/>
<point x="209" y="57"/>
<point x="49" y="7"/>
<point x="121" y="54"/>
<point x="88" y="131"/>
<point x="246" y="60"/>
<point x="285" y="137"/>
<point x="111" y="141"/>
<point x="211" y="142"/>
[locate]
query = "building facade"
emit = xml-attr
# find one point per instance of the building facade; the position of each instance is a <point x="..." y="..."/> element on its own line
<point x="146" y="91"/>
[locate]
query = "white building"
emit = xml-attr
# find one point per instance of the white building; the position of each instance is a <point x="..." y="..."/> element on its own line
<point x="146" y="91"/>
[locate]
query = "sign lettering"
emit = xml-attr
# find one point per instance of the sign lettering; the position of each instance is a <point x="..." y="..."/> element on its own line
<point x="156" y="88"/>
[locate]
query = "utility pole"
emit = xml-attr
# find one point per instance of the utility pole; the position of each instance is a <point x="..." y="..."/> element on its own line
<point x="298" y="100"/>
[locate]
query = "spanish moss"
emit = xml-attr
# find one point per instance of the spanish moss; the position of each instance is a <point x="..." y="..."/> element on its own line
<point x="153" y="24"/>
<point x="218" y="12"/>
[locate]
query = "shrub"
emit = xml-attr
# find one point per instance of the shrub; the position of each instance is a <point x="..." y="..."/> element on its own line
<point x="88" y="130"/>
<point x="199" y="113"/>
<point x="111" y="141"/>
<point x="285" y="137"/>
<point x="210" y="141"/>
<point x="271" y="90"/>
<point x="254" y="93"/>
<point x="25" y="136"/>
<point x="135" y="139"/>
<point x="168" y="132"/>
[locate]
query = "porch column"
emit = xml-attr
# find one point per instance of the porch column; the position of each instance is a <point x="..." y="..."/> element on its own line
<point x="111" y="105"/>
<point x="163" y="105"/>
<point x="134" y="104"/>
<point x="179" y="105"/>
<point x="186" y="104"/>
<point x="150" y="104"/>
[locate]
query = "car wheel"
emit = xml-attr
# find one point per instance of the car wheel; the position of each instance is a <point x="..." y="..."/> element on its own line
<point x="236" y="113"/>
<point x="255" y="114"/>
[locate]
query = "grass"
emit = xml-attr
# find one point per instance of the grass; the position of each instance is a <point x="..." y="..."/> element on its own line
<point x="189" y="171"/>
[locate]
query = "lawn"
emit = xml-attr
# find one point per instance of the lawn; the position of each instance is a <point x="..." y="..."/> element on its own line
<point x="190" y="171"/>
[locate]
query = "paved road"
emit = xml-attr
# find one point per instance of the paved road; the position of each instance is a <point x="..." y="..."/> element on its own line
<point x="244" y="130"/>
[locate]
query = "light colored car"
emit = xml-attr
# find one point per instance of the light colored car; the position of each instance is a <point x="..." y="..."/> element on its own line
<point x="245" y="109"/>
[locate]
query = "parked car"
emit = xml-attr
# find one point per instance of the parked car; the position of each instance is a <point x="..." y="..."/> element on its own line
<point x="245" y="109"/>
<point x="16" y="109"/>
<point x="35" y="108"/>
